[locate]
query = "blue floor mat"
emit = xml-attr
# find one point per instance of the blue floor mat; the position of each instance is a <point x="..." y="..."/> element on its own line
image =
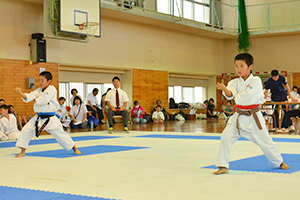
<point x="260" y="164"/>
<point x="203" y="137"/>
<point x="52" y="140"/>
<point x="85" y="151"/>
<point x="11" y="193"/>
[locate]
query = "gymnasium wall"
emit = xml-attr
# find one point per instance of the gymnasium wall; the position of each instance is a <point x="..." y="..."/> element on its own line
<point x="273" y="52"/>
<point x="14" y="73"/>
<point x="122" y="44"/>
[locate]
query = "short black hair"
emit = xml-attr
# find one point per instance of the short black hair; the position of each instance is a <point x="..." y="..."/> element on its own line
<point x="116" y="78"/>
<point x="9" y="106"/>
<point x="158" y="106"/>
<point x="274" y="73"/>
<point x="211" y="99"/>
<point x="47" y="75"/>
<point x="158" y="101"/>
<point x="95" y="90"/>
<point x="61" y="98"/>
<point x="2" y="100"/>
<point x="135" y="102"/>
<point x="245" y="57"/>
<point x="4" y="106"/>
<point x="295" y="87"/>
<point x="298" y="90"/>
<point x="73" y="90"/>
<point x="77" y="97"/>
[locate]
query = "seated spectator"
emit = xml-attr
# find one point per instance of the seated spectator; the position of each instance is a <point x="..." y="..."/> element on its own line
<point x="210" y="109"/>
<point x="21" y="120"/>
<point x="294" y="92"/>
<point x="8" y="125"/>
<point x="78" y="114"/>
<point x="2" y="102"/>
<point x="103" y="102"/>
<point x="117" y="100"/>
<point x="92" y="104"/>
<point x="228" y="109"/>
<point x="287" y="124"/>
<point x="163" y="110"/>
<point x="158" y="115"/>
<point x="137" y="114"/>
<point x="172" y="104"/>
<point x="61" y="112"/>
<point x="74" y="93"/>
<point x="266" y="109"/>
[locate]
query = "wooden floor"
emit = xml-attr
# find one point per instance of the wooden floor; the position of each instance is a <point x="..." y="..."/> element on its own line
<point x="195" y="126"/>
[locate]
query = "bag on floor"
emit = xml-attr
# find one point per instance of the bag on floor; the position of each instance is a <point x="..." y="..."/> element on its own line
<point x="147" y="117"/>
<point x="93" y="119"/>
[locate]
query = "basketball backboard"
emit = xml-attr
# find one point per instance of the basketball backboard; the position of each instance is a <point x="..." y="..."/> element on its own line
<point x="63" y="17"/>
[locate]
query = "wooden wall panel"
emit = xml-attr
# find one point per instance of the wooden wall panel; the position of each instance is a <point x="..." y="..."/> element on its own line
<point x="149" y="86"/>
<point x="14" y="73"/>
<point x="296" y="80"/>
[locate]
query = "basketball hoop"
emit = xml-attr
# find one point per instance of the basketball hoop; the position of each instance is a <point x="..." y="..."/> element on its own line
<point x="90" y="28"/>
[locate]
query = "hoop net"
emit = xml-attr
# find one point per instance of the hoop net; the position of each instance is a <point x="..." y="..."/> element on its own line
<point x="90" y="28"/>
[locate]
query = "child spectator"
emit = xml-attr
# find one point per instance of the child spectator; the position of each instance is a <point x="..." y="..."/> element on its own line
<point x="137" y="114"/>
<point x="45" y="104"/>
<point x="61" y="112"/>
<point x="228" y="109"/>
<point x="158" y="115"/>
<point x="163" y="110"/>
<point x="21" y="120"/>
<point x="78" y="114"/>
<point x="8" y="125"/>
<point x="210" y="109"/>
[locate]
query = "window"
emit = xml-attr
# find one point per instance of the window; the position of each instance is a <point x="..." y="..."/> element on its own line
<point x="187" y="94"/>
<point x="83" y="90"/>
<point x="89" y="88"/>
<point x="64" y="91"/>
<point x="197" y="10"/>
<point x="106" y="86"/>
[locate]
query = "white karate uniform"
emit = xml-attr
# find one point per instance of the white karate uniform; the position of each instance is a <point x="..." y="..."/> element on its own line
<point x="245" y="93"/>
<point x="9" y="128"/>
<point x="158" y="115"/>
<point x="61" y="113"/>
<point x="45" y="102"/>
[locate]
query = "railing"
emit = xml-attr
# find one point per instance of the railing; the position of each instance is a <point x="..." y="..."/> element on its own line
<point x="261" y="17"/>
<point x="271" y="16"/>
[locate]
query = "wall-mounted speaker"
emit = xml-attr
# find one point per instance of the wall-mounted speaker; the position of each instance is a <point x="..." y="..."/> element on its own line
<point x="38" y="50"/>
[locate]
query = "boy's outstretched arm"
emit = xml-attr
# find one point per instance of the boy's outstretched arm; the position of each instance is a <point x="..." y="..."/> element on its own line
<point x="221" y="86"/>
<point x="19" y="91"/>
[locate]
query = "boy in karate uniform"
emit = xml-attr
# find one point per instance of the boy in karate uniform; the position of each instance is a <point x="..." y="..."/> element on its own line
<point x="247" y="121"/>
<point x="45" y="105"/>
<point x="8" y="125"/>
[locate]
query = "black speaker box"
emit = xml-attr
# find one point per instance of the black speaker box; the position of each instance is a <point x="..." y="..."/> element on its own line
<point x="38" y="50"/>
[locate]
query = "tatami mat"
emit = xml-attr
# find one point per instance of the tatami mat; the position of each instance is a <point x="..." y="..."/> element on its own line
<point x="146" y="165"/>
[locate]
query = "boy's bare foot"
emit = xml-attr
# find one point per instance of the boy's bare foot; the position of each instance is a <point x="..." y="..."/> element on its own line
<point x="21" y="154"/>
<point x="76" y="151"/>
<point x="284" y="166"/>
<point x="222" y="170"/>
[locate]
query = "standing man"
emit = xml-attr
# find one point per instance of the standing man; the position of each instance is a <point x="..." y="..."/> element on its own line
<point x="92" y="104"/>
<point x="117" y="99"/>
<point x="276" y="84"/>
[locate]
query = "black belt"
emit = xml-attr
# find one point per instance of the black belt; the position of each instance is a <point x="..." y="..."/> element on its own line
<point x="37" y="130"/>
